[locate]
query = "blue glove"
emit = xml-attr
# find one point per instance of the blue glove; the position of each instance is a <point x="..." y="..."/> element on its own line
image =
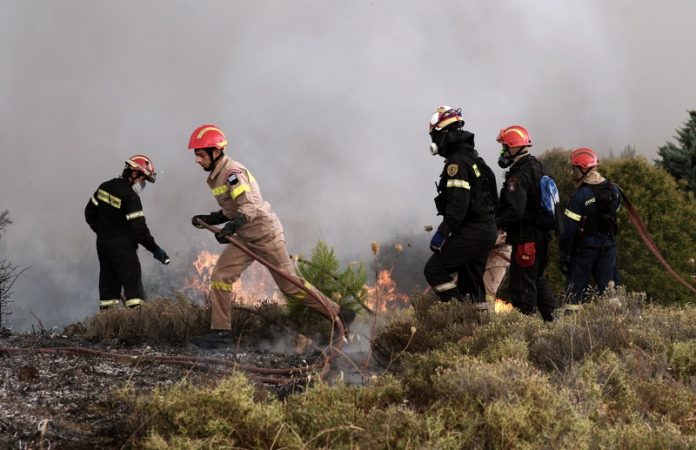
<point x="437" y="242"/>
<point x="161" y="256"/>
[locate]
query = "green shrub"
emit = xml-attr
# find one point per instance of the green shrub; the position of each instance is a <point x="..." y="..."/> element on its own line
<point x="683" y="359"/>
<point x="225" y="416"/>
<point x="664" y="208"/>
<point x="641" y="435"/>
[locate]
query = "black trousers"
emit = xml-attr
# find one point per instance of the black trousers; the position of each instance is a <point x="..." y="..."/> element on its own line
<point x="466" y="257"/>
<point x="529" y="289"/>
<point x="597" y="262"/>
<point x="119" y="268"/>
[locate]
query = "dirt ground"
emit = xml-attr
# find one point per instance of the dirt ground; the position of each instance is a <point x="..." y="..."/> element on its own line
<point x="60" y="401"/>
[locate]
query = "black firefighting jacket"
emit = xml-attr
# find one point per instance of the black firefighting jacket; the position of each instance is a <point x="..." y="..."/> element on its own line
<point x="467" y="192"/>
<point x="518" y="209"/>
<point x="115" y="212"/>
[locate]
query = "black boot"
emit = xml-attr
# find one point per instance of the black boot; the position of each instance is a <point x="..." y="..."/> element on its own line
<point x="214" y="339"/>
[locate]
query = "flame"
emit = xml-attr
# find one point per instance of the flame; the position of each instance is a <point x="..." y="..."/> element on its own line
<point x="254" y="285"/>
<point x="383" y="295"/>
<point x="501" y="306"/>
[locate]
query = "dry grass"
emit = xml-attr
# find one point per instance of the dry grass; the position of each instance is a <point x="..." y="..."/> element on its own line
<point x="615" y="375"/>
<point x="159" y="321"/>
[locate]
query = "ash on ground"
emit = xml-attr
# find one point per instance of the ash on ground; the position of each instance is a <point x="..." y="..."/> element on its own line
<point x="67" y="401"/>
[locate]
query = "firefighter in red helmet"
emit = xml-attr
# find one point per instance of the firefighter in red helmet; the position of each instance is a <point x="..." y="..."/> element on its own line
<point x="251" y="220"/>
<point x="588" y="242"/>
<point x="518" y="216"/>
<point x="115" y="214"/>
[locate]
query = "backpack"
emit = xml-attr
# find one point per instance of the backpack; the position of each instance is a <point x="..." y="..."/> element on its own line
<point x="603" y="219"/>
<point x="549" y="207"/>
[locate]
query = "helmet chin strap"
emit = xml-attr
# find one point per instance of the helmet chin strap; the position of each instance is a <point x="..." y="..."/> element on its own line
<point x="213" y="161"/>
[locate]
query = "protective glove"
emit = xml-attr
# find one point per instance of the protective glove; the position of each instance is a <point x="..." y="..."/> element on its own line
<point x="437" y="242"/>
<point x="230" y="228"/>
<point x="214" y="218"/>
<point x="161" y="256"/>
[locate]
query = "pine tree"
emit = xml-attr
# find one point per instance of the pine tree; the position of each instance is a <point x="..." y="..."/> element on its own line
<point x="679" y="159"/>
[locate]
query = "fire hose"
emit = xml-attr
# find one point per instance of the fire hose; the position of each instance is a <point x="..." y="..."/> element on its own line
<point x="337" y="344"/>
<point x="648" y="240"/>
<point x="257" y="374"/>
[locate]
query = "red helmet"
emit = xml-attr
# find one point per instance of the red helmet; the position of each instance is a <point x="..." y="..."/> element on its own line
<point x="515" y="136"/>
<point x="584" y="158"/>
<point x="207" y="136"/>
<point x="443" y="116"/>
<point x="142" y="164"/>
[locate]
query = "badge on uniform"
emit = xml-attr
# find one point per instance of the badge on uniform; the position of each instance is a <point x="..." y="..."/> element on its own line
<point x="232" y="178"/>
<point x="512" y="186"/>
<point x="452" y="169"/>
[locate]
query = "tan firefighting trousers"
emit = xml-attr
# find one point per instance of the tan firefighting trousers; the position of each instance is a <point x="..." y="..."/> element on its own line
<point x="233" y="262"/>
<point x="496" y="266"/>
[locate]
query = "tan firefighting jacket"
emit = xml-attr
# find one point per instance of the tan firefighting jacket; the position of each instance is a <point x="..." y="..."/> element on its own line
<point x="236" y="190"/>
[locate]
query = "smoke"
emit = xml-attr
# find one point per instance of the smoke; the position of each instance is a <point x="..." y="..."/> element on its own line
<point x="325" y="101"/>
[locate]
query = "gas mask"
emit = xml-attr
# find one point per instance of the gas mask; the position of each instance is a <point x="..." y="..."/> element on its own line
<point x="139" y="186"/>
<point x="505" y="159"/>
<point x="437" y="137"/>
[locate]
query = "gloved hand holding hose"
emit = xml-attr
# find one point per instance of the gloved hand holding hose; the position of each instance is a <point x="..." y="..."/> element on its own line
<point x="230" y="228"/>
<point x="214" y="218"/>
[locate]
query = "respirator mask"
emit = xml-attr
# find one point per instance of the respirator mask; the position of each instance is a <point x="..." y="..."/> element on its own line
<point x="505" y="159"/>
<point x="437" y="137"/>
<point x="139" y="186"/>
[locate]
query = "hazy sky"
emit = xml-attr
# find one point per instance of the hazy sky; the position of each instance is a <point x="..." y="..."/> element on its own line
<point x="327" y="102"/>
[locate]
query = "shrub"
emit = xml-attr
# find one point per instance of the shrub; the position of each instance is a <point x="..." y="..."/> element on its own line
<point x="664" y="208"/>
<point x="162" y="320"/>
<point x="223" y="417"/>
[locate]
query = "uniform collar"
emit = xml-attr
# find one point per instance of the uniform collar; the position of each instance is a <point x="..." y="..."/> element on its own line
<point x="519" y="159"/>
<point x="593" y="177"/>
<point x="222" y="162"/>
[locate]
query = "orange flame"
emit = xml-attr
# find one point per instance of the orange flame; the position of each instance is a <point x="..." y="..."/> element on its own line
<point x="383" y="295"/>
<point x="255" y="284"/>
<point x="501" y="306"/>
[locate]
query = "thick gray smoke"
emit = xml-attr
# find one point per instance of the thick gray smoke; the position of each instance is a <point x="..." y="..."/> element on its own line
<point x="325" y="101"/>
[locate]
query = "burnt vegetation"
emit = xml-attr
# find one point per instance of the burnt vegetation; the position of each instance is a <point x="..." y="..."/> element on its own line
<point x="8" y="275"/>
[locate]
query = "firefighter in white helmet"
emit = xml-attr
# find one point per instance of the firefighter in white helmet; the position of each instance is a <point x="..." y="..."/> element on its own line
<point x="251" y="219"/>
<point x="467" y="196"/>
<point x="116" y="215"/>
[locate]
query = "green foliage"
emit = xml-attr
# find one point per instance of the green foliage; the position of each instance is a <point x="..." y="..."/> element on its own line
<point x="664" y="208"/>
<point x="322" y="270"/>
<point x="614" y="375"/>
<point x="683" y="359"/>
<point x="679" y="159"/>
<point x="432" y="325"/>
<point x="225" y="417"/>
